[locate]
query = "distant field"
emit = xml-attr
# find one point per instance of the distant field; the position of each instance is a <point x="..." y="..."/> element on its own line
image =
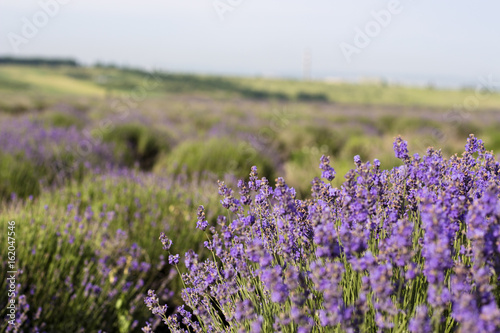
<point x="99" y="81"/>
<point x="45" y="80"/>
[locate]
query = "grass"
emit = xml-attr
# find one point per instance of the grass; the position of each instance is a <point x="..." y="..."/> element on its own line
<point x="45" y="80"/>
<point x="97" y="81"/>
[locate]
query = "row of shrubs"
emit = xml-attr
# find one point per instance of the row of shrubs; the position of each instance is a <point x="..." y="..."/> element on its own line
<point x="292" y="150"/>
<point x="31" y="164"/>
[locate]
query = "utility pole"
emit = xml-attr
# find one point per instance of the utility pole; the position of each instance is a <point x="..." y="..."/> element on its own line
<point x="306" y="64"/>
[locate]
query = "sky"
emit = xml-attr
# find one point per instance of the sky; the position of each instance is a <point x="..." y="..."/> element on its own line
<point x="443" y="43"/>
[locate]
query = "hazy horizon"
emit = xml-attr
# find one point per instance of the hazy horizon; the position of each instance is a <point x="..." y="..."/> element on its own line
<point x="444" y="44"/>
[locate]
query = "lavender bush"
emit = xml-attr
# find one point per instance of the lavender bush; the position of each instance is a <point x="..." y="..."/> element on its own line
<point x="42" y="146"/>
<point x="87" y="253"/>
<point x="33" y="155"/>
<point x="415" y="248"/>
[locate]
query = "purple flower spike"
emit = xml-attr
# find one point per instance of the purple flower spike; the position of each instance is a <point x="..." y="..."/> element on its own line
<point x="173" y="259"/>
<point x="202" y="223"/>
<point x="357" y="160"/>
<point x="474" y="145"/>
<point x="401" y="149"/>
<point x="167" y="243"/>
<point x="328" y="172"/>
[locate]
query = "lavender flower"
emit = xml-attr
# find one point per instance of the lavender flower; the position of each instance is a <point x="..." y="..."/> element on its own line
<point x="167" y="243"/>
<point x="173" y="259"/>
<point x="328" y="172"/>
<point x="401" y="148"/>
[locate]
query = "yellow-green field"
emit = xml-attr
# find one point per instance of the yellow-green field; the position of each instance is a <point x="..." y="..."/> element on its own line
<point x="99" y="81"/>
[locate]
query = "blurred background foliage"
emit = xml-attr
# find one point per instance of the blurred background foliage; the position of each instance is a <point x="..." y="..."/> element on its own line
<point x="173" y="123"/>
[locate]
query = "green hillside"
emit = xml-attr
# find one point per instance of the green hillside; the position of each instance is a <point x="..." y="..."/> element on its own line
<point x="99" y="81"/>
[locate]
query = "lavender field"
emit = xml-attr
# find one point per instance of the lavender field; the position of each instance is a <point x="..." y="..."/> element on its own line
<point x="180" y="203"/>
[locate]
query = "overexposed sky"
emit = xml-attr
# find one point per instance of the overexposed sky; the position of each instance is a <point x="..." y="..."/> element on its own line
<point x="445" y="43"/>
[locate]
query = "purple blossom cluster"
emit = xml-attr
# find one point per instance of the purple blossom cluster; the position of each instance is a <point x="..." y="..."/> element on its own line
<point x="413" y="248"/>
<point x="58" y="150"/>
